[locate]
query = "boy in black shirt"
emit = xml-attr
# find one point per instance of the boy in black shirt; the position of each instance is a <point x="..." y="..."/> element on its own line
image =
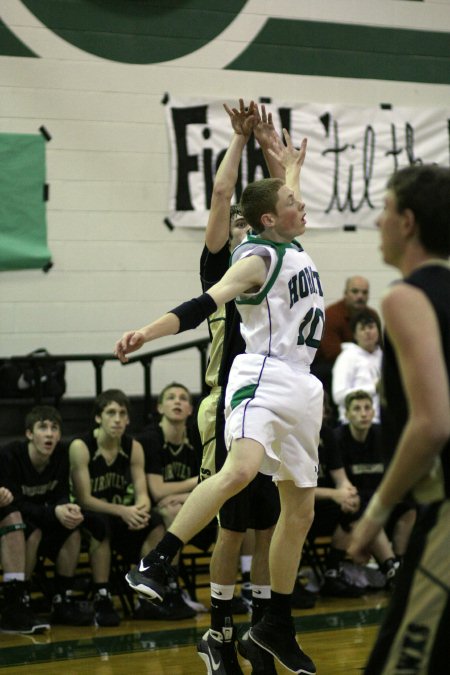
<point x="359" y="444"/>
<point x="37" y="473"/>
<point x="108" y="476"/>
<point x="172" y="468"/>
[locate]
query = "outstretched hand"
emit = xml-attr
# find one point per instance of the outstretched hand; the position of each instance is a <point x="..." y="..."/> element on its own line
<point x="242" y="120"/>
<point x="130" y="341"/>
<point x="264" y="129"/>
<point x="288" y="155"/>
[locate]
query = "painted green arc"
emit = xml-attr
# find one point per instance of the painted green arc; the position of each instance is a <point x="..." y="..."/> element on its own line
<point x="343" y="50"/>
<point x="11" y="45"/>
<point x="136" y="31"/>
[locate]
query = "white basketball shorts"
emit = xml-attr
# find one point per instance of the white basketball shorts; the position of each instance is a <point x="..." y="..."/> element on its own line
<point x="280" y="405"/>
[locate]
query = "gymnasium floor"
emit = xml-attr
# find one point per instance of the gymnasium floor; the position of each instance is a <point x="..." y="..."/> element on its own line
<point x="337" y="633"/>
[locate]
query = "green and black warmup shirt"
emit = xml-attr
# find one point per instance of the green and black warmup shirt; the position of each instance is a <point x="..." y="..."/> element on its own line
<point x="110" y="482"/>
<point x="36" y="493"/>
<point x="363" y="461"/>
<point x="173" y="462"/>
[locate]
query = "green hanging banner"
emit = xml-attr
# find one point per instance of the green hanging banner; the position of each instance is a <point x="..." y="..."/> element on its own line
<point x="23" y="226"/>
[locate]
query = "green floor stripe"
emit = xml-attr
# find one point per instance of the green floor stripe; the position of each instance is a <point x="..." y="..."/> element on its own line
<point x="136" y="641"/>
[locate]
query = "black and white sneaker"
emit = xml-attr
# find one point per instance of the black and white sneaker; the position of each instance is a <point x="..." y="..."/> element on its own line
<point x="278" y="638"/>
<point x="151" y="580"/>
<point x="17" y="615"/>
<point x="67" y="611"/>
<point x="336" y="585"/>
<point x="104" y="612"/>
<point x="218" y="652"/>
<point x="262" y="661"/>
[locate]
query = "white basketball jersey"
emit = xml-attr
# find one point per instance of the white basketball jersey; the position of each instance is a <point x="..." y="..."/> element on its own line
<point x="285" y="318"/>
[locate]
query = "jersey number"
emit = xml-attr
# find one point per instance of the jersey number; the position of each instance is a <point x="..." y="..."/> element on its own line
<point x="311" y="319"/>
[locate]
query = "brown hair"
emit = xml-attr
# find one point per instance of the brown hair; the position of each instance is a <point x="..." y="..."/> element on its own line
<point x="258" y="198"/>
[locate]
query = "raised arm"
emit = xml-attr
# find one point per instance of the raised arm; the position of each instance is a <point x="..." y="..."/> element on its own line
<point x="418" y="348"/>
<point x="267" y="137"/>
<point x="291" y="159"/>
<point x="247" y="274"/>
<point x="218" y="227"/>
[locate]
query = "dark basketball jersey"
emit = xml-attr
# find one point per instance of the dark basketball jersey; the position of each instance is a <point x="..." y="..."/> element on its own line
<point x="363" y="461"/>
<point x="36" y="493"/>
<point x="212" y="268"/>
<point x="172" y="462"/>
<point x="434" y="281"/>
<point x="330" y="457"/>
<point x="110" y="482"/>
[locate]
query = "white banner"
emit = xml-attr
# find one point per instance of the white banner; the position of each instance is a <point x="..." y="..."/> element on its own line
<point x="351" y="153"/>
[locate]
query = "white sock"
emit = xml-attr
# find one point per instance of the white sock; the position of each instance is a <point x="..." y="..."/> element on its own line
<point x="246" y="563"/>
<point x="13" y="576"/>
<point x="221" y="592"/>
<point x="262" y="592"/>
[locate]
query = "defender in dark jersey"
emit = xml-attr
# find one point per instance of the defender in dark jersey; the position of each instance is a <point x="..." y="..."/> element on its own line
<point x="108" y="477"/>
<point x="415" y="238"/>
<point x="36" y="471"/>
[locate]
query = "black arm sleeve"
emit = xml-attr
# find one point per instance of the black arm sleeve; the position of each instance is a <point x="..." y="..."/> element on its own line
<point x="193" y="312"/>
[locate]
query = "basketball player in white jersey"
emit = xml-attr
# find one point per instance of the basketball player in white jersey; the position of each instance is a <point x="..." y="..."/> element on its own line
<point x="273" y="402"/>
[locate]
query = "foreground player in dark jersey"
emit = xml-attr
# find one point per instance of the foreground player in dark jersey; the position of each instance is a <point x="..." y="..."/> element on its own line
<point x="415" y="238"/>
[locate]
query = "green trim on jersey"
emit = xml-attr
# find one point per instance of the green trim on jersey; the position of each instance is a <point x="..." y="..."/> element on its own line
<point x="280" y="249"/>
<point x="241" y="394"/>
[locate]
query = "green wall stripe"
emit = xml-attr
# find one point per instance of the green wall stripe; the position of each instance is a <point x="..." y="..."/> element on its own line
<point x="148" y="641"/>
<point x="342" y="50"/>
<point x="10" y="45"/>
<point x="141" y="31"/>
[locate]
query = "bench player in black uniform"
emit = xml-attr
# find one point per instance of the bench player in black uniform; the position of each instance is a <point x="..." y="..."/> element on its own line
<point x="360" y="446"/>
<point x="108" y="477"/>
<point x="17" y="615"/>
<point x="172" y="464"/>
<point x="415" y="238"/>
<point x="37" y="473"/>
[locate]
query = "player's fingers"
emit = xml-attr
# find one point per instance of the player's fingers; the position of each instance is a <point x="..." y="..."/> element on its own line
<point x="228" y="110"/>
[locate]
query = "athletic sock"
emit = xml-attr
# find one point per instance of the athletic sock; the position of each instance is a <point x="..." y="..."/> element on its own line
<point x="280" y="606"/>
<point x="260" y="602"/>
<point x="221" y="606"/>
<point x="167" y="548"/>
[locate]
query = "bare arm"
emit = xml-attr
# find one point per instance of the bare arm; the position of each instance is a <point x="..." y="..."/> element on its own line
<point x="6" y="496"/>
<point x="218" y="226"/>
<point x="159" y="489"/>
<point x="135" y="517"/>
<point x="418" y="350"/>
<point x="247" y="274"/>
<point x="81" y="479"/>
<point x="138" y="478"/>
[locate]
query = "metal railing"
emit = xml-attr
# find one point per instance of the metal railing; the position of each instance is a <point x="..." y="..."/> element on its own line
<point x="99" y="360"/>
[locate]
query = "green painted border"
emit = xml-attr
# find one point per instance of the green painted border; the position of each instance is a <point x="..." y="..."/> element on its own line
<point x="165" y="639"/>
<point x="141" y="31"/>
<point x="344" y="50"/>
<point x="11" y="45"/>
